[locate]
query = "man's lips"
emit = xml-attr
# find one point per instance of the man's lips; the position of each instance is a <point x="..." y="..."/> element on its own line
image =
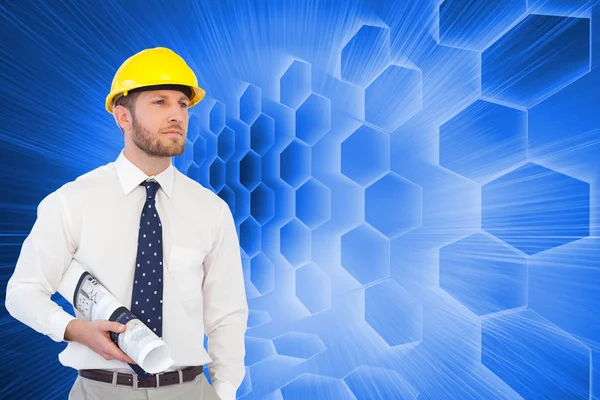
<point x="173" y="133"/>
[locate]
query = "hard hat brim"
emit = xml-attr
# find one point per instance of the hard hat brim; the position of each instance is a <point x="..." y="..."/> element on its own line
<point x="197" y="93"/>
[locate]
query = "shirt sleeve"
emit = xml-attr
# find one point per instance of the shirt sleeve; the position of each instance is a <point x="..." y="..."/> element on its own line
<point x="45" y="255"/>
<point x="225" y="309"/>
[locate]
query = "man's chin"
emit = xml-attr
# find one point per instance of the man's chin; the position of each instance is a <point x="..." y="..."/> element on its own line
<point x="178" y="153"/>
<point x="173" y="152"/>
<point x="165" y="152"/>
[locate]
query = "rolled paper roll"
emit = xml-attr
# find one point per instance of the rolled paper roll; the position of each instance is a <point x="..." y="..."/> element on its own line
<point x="95" y="302"/>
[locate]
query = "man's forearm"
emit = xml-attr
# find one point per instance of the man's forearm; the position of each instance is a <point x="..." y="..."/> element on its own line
<point x="34" y="308"/>
<point x="226" y="348"/>
<point x="45" y="254"/>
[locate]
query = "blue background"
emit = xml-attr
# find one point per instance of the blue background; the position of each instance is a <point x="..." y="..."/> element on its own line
<point x="415" y="183"/>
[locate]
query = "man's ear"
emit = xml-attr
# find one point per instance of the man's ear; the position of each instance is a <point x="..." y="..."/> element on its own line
<point x="123" y="118"/>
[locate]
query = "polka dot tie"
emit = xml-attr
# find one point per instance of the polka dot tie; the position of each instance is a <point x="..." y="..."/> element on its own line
<point x="147" y="295"/>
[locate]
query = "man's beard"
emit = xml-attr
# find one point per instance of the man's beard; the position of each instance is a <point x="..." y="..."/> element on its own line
<point x="151" y="144"/>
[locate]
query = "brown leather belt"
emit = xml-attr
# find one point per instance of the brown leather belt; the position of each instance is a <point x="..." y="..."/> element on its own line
<point x="164" y="379"/>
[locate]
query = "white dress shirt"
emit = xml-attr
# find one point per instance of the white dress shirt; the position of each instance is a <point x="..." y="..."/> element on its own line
<point x="94" y="221"/>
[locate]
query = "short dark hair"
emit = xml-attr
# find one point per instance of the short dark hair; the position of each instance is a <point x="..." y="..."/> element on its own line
<point x="129" y="103"/>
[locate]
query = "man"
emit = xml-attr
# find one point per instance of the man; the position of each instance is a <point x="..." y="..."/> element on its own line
<point x="164" y="246"/>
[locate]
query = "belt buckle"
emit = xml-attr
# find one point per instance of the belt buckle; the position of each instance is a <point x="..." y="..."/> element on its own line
<point x="135" y="380"/>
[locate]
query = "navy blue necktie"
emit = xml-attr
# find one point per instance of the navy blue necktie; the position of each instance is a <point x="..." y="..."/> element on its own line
<point x="147" y="295"/>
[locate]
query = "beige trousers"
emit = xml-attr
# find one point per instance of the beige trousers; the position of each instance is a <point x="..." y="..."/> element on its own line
<point x="87" y="389"/>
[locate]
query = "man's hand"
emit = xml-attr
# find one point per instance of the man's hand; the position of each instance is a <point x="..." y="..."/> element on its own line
<point x="96" y="336"/>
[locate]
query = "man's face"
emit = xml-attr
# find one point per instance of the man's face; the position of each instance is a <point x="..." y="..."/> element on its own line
<point x="160" y="122"/>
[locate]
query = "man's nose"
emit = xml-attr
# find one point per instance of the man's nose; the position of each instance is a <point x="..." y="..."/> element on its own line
<point x="176" y="116"/>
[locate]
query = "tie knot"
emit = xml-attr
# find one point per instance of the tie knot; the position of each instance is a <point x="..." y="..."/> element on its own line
<point x="151" y="189"/>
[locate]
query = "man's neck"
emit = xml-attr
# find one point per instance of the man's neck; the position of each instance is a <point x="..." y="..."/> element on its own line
<point x="149" y="165"/>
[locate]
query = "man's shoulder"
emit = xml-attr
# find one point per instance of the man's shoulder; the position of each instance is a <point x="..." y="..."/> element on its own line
<point x="196" y="192"/>
<point x="97" y="177"/>
<point x="73" y="193"/>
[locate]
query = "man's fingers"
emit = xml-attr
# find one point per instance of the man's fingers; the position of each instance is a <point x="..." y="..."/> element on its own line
<point x="118" y="354"/>
<point x="112" y="326"/>
<point x="121" y="356"/>
<point x="117" y="327"/>
<point x="129" y="360"/>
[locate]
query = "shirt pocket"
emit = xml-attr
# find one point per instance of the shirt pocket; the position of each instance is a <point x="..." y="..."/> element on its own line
<point x="187" y="271"/>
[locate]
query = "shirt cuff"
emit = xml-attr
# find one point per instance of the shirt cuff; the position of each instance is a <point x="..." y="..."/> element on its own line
<point x="58" y="324"/>
<point x="225" y="390"/>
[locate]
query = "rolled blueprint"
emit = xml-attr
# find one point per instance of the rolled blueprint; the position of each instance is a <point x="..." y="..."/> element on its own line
<point x="95" y="302"/>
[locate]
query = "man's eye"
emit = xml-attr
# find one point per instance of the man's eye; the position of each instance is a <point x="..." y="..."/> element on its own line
<point x="183" y="105"/>
<point x="159" y="102"/>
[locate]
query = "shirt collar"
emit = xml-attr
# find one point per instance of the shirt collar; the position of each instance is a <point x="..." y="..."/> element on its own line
<point x="131" y="176"/>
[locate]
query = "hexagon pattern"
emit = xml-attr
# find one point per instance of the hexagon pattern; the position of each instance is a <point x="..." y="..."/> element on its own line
<point x="475" y="24"/>
<point x="257" y="350"/>
<point x="250" y="170"/>
<point x="393" y="205"/>
<point x="193" y="131"/>
<point x="299" y="345"/>
<point x="572" y="273"/>
<point x="295" y="242"/>
<point x="536" y="58"/>
<point x="229" y="196"/>
<point x="363" y="155"/>
<point x="393" y="97"/>
<point x="388" y="384"/>
<point x="560" y="7"/>
<point x="366" y="254"/>
<point x="483" y="140"/>
<point x="246" y="385"/>
<point x="534" y="208"/>
<point x="313" y="288"/>
<point x="311" y="386"/>
<point x="262" y="273"/>
<point x="250" y="104"/>
<point x="483" y="274"/>
<point x="370" y="272"/>
<point x="365" y="55"/>
<point x="480" y="141"/>
<point x="262" y="134"/>
<point x="262" y="204"/>
<point x="217" y="117"/>
<point x="217" y="174"/>
<point x="530" y="346"/>
<point x="199" y="150"/>
<point x="393" y="313"/>
<point x="258" y="318"/>
<point x="295" y="84"/>
<point x="313" y="119"/>
<point x="249" y="233"/>
<point x="184" y="161"/>
<point x="226" y="142"/>
<point x="313" y="203"/>
<point x="295" y="163"/>
<point x="194" y="171"/>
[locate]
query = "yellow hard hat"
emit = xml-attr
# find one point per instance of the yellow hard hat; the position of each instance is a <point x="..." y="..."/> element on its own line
<point x="151" y="67"/>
